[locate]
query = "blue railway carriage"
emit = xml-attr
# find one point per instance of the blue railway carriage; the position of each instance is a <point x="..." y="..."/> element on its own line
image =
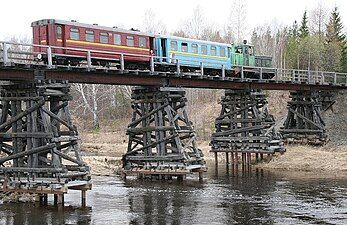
<point x="190" y="53"/>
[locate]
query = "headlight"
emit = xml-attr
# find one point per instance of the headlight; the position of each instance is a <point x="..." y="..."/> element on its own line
<point x="39" y="56"/>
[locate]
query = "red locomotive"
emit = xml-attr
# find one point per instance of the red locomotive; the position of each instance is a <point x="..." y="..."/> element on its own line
<point x="67" y="34"/>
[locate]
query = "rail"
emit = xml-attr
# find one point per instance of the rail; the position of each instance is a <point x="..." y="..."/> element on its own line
<point x="21" y="53"/>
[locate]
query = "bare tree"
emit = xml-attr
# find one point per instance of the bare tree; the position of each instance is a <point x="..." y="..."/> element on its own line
<point x="194" y="26"/>
<point x="318" y="19"/>
<point x="236" y="27"/>
<point x="93" y="98"/>
<point x="152" y="24"/>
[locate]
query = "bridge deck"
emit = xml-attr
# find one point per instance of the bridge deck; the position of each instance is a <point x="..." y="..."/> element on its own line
<point x="18" y="62"/>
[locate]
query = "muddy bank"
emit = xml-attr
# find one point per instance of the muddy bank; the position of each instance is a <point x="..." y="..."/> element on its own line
<point x="103" y="165"/>
<point x="329" y="159"/>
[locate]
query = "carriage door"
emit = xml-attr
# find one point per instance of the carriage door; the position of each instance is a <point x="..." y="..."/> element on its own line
<point x="59" y="34"/>
<point x="163" y="49"/>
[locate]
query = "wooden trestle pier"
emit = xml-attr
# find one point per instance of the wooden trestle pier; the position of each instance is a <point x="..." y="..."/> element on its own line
<point x="39" y="146"/>
<point x="245" y="127"/>
<point x="161" y="136"/>
<point x="304" y="121"/>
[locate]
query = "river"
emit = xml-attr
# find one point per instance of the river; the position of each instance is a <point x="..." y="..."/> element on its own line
<point x="224" y="197"/>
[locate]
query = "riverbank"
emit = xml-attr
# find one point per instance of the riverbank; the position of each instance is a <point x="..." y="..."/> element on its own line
<point x="102" y="152"/>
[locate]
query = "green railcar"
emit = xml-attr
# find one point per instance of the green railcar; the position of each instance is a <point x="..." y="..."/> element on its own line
<point x="244" y="55"/>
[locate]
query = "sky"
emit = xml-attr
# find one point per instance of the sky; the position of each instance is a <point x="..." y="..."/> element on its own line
<point x="16" y="16"/>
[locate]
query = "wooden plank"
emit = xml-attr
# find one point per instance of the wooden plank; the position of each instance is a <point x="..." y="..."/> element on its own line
<point x="22" y="114"/>
<point x="28" y="152"/>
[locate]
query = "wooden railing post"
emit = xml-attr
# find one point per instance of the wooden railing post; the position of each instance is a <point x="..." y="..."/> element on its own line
<point x="202" y="68"/>
<point x="223" y="72"/>
<point x="178" y="68"/>
<point x="261" y="73"/>
<point x="49" y="57"/>
<point x="122" y="62"/>
<point x="89" y="60"/>
<point x="5" y="54"/>
<point x="335" y="79"/>
<point x="152" y="64"/>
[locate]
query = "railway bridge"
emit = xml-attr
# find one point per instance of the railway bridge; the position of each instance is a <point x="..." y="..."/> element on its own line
<point x="39" y="148"/>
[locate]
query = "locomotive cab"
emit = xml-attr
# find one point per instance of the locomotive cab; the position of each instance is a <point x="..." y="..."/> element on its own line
<point x="243" y="54"/>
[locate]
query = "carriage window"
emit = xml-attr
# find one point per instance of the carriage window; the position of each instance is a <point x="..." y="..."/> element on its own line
<point x="104" y="38"/>
<point x="204" y="49"/>
<point x="239" y="50"/>
<point x="142" y="42"/>
<point x="90" y="36"/>
<point x="213" y="50"/>
<point x="74" y="34"/>
<point x="194" y="48"/>
<point x="130" y="41"/>
<point x="173" y="45"/>
<point x="184" y="47"/>
<point x="59" y="32"/>
<point x="117" y="39"/>
<point x="222" y="51"/>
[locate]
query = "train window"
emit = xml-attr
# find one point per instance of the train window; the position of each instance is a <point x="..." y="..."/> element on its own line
<point x="239" y="50"/>
<point x="222" y="51"/>
<point x="74" y="34"/>
<point x="117" y="39"/>
<point x="90" y="36"/>
<point x="104" y="38"/>
<point x="130" y="41"/>
<point x="59" y="32"/>
<point x="173" y="45"/>
<point x="250" y="50"/>
<point x="213" y="50"/>
<point x="204" y="49"/>
<point x="184" y="47"/>
<point x="194" y="48"/>
<point x="142" y="42"/>
<point x="246" y="50"/>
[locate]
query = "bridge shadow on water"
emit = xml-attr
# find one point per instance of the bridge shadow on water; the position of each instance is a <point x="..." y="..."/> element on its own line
<point x="228" y="195"/>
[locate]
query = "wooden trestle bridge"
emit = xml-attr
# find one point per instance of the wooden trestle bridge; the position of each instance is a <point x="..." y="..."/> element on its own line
<point x="39" y="148"/>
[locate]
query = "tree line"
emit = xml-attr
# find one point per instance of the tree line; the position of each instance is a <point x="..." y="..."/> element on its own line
<point x="317" y="42"/>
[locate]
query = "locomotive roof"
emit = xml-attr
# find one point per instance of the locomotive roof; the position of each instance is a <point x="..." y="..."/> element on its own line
<point x="91" y="26"/>
<point x="193" y="40"/>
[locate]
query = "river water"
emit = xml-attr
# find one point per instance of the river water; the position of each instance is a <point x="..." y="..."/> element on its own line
<point x="224" y="197"/>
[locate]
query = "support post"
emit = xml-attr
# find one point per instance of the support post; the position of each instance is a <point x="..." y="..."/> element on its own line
<point x="5" y="54"/>
<point x="152" y="64"/>
<point x="201" y="68"/>
<point x="49" y="57"/>
<point x="178" y="67"/>
<point x="89" y="59"/>
<point x="216" y="158"/>
<point x="83" y="197"/>
<point x="122" y="62"/>
<point x="223" y="72"/>
<point x="261" y="74"/>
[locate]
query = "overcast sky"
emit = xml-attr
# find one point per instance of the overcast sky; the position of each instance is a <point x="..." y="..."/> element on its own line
<point x="16" y="16"/>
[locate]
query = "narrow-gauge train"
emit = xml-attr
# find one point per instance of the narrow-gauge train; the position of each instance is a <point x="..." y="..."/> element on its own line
<point x="191" y="53"/>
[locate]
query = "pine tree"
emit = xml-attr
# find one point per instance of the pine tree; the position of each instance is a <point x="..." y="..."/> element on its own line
<point x="336" y="50"/>
<point x="303" y="31"/>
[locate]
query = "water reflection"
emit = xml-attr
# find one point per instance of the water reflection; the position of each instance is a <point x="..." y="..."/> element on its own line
<point x="227" y="196"/>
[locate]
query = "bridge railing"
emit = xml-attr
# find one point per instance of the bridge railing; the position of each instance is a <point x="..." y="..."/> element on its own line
<point x="23" y="53"/>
